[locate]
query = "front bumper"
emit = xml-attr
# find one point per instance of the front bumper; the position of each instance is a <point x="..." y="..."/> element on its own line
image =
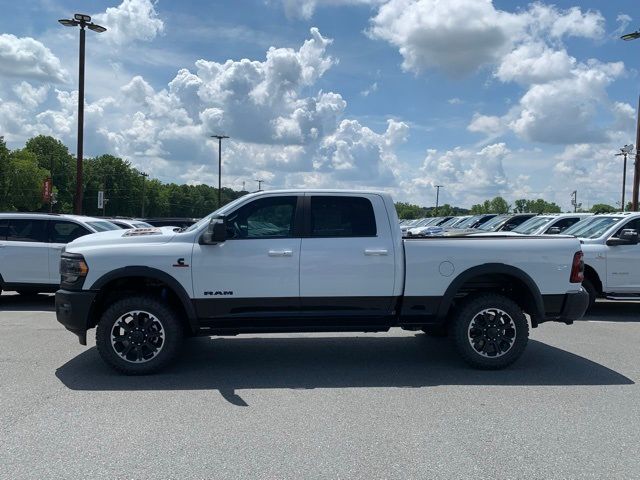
<point x="73" y="309"/>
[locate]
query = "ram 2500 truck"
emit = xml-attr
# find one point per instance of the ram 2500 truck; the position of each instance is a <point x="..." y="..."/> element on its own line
<point x="312" y="261"/>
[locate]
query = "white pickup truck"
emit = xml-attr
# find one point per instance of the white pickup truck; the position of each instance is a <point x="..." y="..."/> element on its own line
<point x="611" y="255"/>
<point x="312" y="261"/>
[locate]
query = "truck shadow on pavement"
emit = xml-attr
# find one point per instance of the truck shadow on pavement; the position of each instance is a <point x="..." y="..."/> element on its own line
<point x="604" y="311"/>
<point x="27" y="303"/>
<point x="230" y="365"/>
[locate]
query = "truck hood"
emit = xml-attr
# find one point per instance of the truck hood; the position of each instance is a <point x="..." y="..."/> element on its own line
<point x="124" y="237"/>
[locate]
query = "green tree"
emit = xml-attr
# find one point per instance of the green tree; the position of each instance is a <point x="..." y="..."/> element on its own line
<point x="603" y="208"/>
<point x="52" y="155"/>
<point x="4" y="175"/>
<point x="25" y="179"/>
<point x="408" y="211"/>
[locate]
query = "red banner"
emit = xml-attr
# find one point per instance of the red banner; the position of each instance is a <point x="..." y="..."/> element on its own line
<point x="46" y="190"/>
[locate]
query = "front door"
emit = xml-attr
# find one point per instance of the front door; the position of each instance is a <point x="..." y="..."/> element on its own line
<point x="623" y="264"/>
<point x="255" y="272"/>
<point x="347" y="265"/>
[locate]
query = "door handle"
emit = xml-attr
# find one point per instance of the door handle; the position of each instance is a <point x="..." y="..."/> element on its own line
<point x="280" y="253"/>
<point x="376" y="251"/>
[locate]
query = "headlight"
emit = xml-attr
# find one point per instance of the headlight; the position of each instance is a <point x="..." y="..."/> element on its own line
<point x="73" y="270"/>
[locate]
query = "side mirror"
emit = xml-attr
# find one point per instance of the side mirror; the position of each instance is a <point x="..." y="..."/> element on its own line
<point x="508" y="227"/>
<point x="216" y="232"/>
<point x="628" y="236"/>
<point x="554" y="231"/>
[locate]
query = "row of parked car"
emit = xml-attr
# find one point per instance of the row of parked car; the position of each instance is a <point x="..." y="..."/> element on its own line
<point x="609" y="242"/>
<point x="518" y="223"/>
<point x="31" y="244"/>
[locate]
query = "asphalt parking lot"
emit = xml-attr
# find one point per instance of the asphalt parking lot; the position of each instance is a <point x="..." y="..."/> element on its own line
<point x="395" y="405"/>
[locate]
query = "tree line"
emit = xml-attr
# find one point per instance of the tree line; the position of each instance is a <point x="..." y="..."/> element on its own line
<point x="24" y="171"/>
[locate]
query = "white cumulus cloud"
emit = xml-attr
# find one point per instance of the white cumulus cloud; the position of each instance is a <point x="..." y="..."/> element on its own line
<point x="130" y="21"/>
<point x="25" y="57"/>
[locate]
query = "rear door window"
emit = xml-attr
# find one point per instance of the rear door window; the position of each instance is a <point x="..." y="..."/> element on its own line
<point x="333" y="216"/>
<point x="65" y="232"/>
<point x="27" y="230"/>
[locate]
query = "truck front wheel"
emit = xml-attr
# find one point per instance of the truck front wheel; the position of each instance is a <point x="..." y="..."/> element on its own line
<point x="138" y="335"/>
<point x="490" y="331"/>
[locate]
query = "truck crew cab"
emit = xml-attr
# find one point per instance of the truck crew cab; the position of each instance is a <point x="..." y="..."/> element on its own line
<point x="312" y="261"/>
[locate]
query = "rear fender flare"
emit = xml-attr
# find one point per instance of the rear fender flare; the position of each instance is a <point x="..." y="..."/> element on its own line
<point x="492" y="268"/>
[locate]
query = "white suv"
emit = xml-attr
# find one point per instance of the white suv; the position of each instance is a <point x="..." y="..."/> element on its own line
<point x="30" y="247"/>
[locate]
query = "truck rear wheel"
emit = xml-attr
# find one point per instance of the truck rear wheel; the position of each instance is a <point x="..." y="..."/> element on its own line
<point x="490" y="331"/>
<point x="138" y="335"/>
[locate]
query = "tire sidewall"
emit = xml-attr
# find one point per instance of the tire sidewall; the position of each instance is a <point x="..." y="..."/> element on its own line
<point x="172" y="330"/>
<point x="465" y="315"/>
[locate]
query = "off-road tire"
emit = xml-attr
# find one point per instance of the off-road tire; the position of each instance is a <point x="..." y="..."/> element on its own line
<point x="461" y="331"/>
<point x="171" y="326"/>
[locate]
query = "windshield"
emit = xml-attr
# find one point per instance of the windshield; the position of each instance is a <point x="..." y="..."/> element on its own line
<point x="451" y="222"/>
<point x="494" y="222"/>
<point x="592" y="227"/>
<point x="532" y="225"/>
<point x="469" y="221"/>
<point x="103" y="226"/>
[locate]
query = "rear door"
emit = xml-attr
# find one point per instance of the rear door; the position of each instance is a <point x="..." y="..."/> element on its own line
<point x="26" y="252"/>
<point x="347" y="257"/>
<point x="61" y="232"/>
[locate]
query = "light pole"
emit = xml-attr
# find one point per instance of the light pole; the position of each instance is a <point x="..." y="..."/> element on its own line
<point x="260" y="182"/>
<point x="219" y="137"/>
<point x="438" y="187"/>
<point x="81" y="20"/>
<point x="636" y="166"/>
<point x="624" y="151"/>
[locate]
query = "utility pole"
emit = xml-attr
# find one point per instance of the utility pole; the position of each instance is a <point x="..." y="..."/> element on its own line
<point x="438" y="187"/>
<point x="624" y="151"/>
<point x="219" y="137"/>
<point x="144" y="177"/>
<point x="243" y="185"/>
<point x="81" y="20"/>
<point x="260" y="182"/>
<point x="574" y="201"/>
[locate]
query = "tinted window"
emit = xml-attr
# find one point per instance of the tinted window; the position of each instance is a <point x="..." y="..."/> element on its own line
<point x="633" y="225"/>
<point x="4" y="225"/>
<point x="26" y="230"/>
<point x="65" y="232"/>
<point x="342" y="217"/>
<point x="263" y="218"/>
<point x="566" y="223"/>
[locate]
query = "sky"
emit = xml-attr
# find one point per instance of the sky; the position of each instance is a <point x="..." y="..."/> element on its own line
<point x="486" y="98"/>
